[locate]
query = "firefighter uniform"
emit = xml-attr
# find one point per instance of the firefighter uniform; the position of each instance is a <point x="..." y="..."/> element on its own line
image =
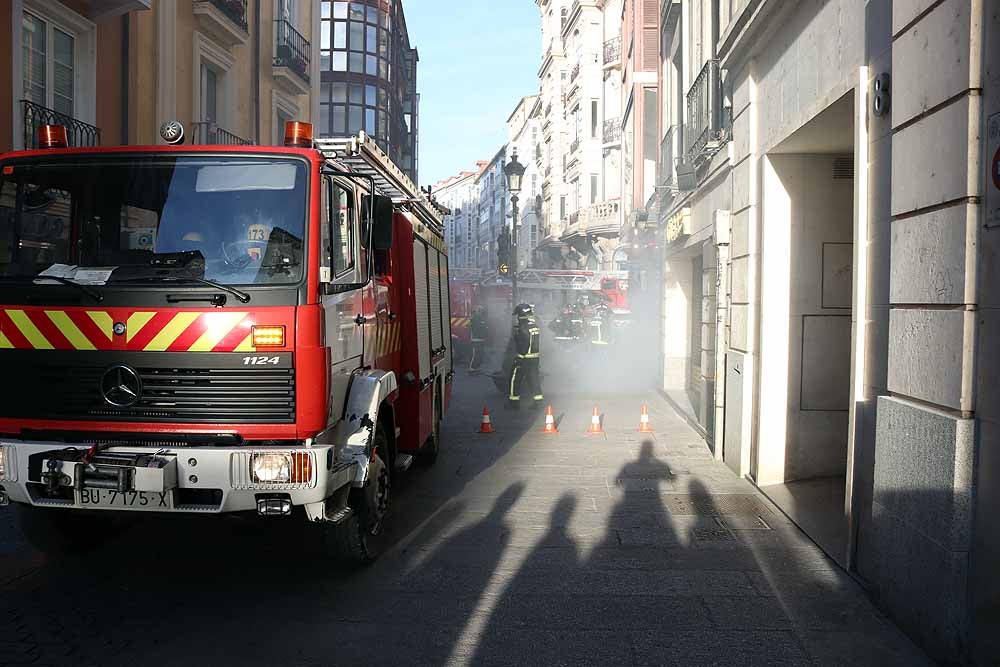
<point x="524" y="354"/>
<point x="478" y="330"/>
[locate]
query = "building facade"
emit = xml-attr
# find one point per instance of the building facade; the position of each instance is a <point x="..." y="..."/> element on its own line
<point x="368" y="76"/>
<point x="65" y="62"/>
<point x="232" y="71"/>
<point x="460" y="195"/>
<point x="494" y="203"/>
<point x="829" y="293"/>
<point x="580" y="206"/>
<point x="523" y="137"/>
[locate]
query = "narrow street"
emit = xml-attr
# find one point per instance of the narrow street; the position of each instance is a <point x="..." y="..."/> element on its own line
<point x="516" y="548"/>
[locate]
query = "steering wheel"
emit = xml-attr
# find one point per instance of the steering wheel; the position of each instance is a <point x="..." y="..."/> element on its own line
<point x="238" y="253"/>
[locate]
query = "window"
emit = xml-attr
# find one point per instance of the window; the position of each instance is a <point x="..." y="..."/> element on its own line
<point x="593" y="119"/>
<point x="562" y="208"/>
<point x="594" y="187"/>
<point x="209" y="95"/>
<point x="340" y="208"/>
<point x="243" y="219"/>
<point x="48" y="64"/>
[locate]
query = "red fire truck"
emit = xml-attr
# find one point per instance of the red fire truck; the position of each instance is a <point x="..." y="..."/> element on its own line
<point x="217" y="329"/>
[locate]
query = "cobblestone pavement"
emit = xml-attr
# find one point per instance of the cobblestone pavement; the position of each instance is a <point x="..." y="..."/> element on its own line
<point x="516" y="548"/>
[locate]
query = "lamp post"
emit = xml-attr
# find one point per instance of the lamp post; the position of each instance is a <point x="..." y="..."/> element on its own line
<point x="514" y="171"/>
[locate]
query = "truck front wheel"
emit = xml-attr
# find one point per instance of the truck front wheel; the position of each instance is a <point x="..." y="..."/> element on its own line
<point x="362" y="537"/>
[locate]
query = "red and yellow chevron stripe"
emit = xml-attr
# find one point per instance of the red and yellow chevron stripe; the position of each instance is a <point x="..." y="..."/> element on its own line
<point x="387" y="340"/>
<point x="460" y="322"/>
<point x="148" y="331"/>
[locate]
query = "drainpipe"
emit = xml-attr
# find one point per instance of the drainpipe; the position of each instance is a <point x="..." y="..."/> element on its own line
<point x="126" y="27"/>
<point x="256" y="71"/>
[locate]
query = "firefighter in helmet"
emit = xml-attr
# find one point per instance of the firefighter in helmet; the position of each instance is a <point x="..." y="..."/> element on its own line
<point x="523" y="357"/>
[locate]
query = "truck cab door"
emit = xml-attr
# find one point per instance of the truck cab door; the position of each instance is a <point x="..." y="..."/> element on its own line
<point x="343" y="302"/>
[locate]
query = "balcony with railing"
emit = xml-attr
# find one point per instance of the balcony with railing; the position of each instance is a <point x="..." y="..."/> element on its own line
<point x="225" y="20"/>
<point x="600" y="219"/>
<point x="78" y="133"/>
<point x="613" y="53"/>
<point x="667" y="156"/>
<point x="612" y="131"/>
<point x="704" y="112"/>
<point x="574" y="145"/>
<point x="208" y="133"/>
<point x="575" y="72"/>
<point x="291" y="58"/>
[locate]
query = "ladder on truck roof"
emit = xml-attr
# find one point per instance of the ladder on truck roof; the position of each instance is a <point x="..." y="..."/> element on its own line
<point x="364" y="156"/>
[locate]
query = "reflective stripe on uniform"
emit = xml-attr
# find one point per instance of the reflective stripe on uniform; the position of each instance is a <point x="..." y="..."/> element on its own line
<point x="513" y="379"/>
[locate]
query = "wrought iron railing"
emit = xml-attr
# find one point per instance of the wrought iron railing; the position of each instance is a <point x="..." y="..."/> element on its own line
<point x="612" y="131"/>
<point x="703" y="109"/>
<point x="574" y="145"/>
<point x="538" y="152"/>
<point x="612" y="50"/>
<point x="291" y="49"/>
<point x="77" y="132"/>
<point x="667" y="156"/>
<point x="235" y="10"/>
<point x="575" y="72"/>
<point x="205" y="132"/>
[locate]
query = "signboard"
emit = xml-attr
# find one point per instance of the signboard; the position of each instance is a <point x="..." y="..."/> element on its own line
<point x="993" y="178"/>
<point x="679" y="225"/>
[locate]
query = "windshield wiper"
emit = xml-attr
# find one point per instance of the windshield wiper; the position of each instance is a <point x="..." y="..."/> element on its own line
<point x="93" y="294"/>
<point x="242" y="296"/>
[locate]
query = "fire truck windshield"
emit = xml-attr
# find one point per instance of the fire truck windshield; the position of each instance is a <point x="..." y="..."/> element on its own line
<point x="231" y="220"/>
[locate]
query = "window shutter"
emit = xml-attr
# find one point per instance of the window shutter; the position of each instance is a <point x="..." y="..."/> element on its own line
<point x="650" y="13"/>
<point x="650" y="49"/>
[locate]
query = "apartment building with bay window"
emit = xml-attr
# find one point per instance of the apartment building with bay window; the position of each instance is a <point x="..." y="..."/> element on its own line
<point x="111" y="71"/>
<point x="368" y="77"/>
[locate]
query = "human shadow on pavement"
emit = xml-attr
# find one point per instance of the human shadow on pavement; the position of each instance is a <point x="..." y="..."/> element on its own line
<point x="562" y="607"/>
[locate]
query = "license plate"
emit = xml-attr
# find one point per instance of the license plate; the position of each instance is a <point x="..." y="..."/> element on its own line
<point x="130" y="500"/>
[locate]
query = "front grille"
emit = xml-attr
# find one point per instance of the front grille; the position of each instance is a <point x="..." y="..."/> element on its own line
<point x="186" y="395"/>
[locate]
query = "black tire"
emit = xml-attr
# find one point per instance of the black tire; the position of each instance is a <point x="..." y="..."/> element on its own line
<point x="60" y="532"/>
<point x="428" y="454"/>
<point x="361" y="538"/>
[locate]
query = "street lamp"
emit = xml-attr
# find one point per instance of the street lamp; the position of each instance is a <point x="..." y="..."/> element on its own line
<point x="514" y="171"/>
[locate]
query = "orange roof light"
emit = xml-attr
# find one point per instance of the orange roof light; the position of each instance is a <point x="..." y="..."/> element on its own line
<point x="52" y="136"/>
<point x="298" y="134"/>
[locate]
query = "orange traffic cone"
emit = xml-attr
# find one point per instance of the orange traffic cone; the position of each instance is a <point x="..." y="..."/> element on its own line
<point x="595" y="423"/>
<point x="550" y="422"/>
<point x="644" y="425"/>
<point x="486" y="426"/>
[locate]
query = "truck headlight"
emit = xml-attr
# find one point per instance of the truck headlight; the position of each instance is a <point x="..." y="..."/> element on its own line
<point x="271" y="468"/>
<point x="281" y="467"/>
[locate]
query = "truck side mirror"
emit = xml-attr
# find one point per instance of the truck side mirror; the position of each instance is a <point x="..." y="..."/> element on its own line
<point x="382" y="223"/>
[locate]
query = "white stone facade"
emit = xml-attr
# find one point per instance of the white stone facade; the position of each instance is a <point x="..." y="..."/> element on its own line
<point x="829" y="296"/>
<point x="460" y="195"/>
<point x="580" y="207"/>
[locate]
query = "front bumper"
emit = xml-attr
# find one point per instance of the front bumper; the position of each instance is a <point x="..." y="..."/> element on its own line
<point x="208" y="479"/>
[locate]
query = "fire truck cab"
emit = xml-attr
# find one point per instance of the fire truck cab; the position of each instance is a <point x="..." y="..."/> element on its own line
<point x="217" y="329"/>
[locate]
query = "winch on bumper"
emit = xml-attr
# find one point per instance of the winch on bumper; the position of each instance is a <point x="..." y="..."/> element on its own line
<point x="268" y="480"/>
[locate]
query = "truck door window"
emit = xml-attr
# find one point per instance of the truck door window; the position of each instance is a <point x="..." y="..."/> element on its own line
<point x="341" y="235"/>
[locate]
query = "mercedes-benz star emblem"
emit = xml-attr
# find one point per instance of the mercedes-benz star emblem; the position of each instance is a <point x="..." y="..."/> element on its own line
<point x="121" y="386"/>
